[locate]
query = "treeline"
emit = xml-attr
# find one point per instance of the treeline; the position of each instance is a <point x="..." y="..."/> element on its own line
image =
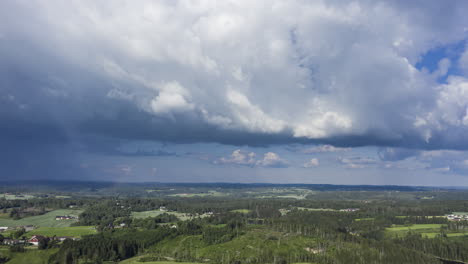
<point x="43" y="202"/>
<point x="121" y="244"/>
<point x="449" y="249"/>
<point x="109" y="246"/>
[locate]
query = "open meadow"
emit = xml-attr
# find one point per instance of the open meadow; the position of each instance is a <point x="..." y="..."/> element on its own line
<point x="30" y="256"/>
<point x="426" y="230"/>
<point x="45" y="220"/>
<point x="72" y="231"/>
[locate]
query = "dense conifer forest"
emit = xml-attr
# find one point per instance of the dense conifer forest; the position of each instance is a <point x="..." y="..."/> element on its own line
<point x="214" y="224"/>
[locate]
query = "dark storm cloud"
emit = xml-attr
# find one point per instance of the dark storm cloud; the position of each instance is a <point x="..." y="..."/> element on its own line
<point x="85" y="77"/>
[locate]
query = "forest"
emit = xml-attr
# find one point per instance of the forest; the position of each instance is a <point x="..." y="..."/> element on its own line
<point x="271" y="224"/>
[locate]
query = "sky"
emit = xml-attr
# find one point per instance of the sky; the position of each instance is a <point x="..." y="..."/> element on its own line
<point x="295" y="91"/>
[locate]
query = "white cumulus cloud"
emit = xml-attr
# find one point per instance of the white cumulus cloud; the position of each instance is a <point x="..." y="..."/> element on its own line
<point x="271" y="159"/>
<point x="314" y="162"/>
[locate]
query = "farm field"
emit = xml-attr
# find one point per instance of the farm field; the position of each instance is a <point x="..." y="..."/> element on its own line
<point x="292" y="196"/>
<point x="45" y="220"/>
<point x="297" y="194"/>
<point x="206" y="194"/>
<point x="415" y="227"/>
<point x="429" y="229"/>
<point x="4" y="215"/>
<point x="433" y="235"/>
<point x="399" y="216"/>
<point x="72" y="231"/>
<point x="16" y="196"/>
<point x="242" y="211"/>
<point x="364" y="219"/>
<point x="63" y="196"/>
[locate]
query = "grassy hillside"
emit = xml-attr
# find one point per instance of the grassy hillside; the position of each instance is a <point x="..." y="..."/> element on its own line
<point x="32" y="256"/>
<point x="45" y="220"/>
<point x="426" y="230"/>
<point x="16" y="196"/>
<point x="73" y="231"/>
<point x="416" y="228"/>
<point x="242" y="211"/>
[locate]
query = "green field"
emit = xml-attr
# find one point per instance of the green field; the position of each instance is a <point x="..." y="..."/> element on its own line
<point x="16" y="197"/>
<point x="364" y="219"/>
<point x="430" y="230"/>
<point x="63" y="196"/>
<point x="205" y="194"/>
<point x="414" y="227"/>
<point x="4" y="215"/>
<point x="45" y="220"/>
<point x="242" y="211"/>
<point x="284" y="193"/>
<point x="293" y="196"/>
<point x="32" y="256"/>
<point x="433" y="235"/>
<point x="72" y="231"/>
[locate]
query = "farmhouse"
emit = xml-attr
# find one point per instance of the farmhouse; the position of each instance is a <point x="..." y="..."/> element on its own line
<point x="349" y="210"/>
<point x="12" y="242"/>
<point x="458" y="217"/>
<point x="3" y="228"/>
<point x="35" y="239"/>
<point x="65" y="217"/>
<point x="28" y="228"/>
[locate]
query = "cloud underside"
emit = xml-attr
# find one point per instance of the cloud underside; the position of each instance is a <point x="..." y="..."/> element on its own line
<point x="241" y="73"/>
<point x="243" y="158"/>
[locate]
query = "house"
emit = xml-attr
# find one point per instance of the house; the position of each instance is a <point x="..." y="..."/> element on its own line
<point x="162" y="209"/>
<point x="349" y="210"/>
<point x="458" y="217"/>
<point x="65" y="217"/>
<point x="35" y="239"/>
<point x="3" y="228"/>
<point x="12" y="242"/>
<point x="28" y="228"/>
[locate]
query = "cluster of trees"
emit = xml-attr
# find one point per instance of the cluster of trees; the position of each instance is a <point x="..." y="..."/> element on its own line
<point x="149" y="222"/>
<point x="447" y="249"/>
<point x="109" y="246"/>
